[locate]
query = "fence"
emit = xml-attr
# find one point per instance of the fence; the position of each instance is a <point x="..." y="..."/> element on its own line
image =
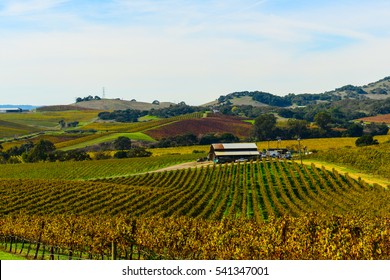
<point x="37" y="250"/>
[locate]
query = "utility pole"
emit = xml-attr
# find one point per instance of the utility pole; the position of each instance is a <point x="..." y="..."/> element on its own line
<point x="299" y="148"/>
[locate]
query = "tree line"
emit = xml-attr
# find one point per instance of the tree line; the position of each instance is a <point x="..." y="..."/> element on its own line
<point x="265" y="128"/>
<point x="87" y="98"/>
<point x="132" y="115"/>
<point x="45" y="150"/>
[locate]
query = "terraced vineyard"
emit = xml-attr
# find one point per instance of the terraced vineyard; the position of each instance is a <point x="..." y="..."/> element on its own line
<point x="258" y="191"/>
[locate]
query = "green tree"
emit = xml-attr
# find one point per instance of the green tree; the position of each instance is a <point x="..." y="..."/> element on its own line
<point x="297" y="128"/>
<point x="138" y="152"/>
<point x="265" y="127"/>
<point x="122" y="143"/>
<point x="366" y="140"/>
<point x="121" y="154"/>
<point x="354" y="130"/>
<point x="40" y="152"/>
<point x="323" y="120"/>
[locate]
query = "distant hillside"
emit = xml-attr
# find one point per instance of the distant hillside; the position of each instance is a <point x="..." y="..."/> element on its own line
<point x="116" y="104"/>
<point x="375" y="91"/>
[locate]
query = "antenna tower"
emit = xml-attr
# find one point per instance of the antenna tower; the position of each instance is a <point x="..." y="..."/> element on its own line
<point x="104" y="93"/>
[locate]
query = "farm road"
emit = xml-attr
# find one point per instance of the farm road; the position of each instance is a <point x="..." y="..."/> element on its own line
<point x="186" y="165"/>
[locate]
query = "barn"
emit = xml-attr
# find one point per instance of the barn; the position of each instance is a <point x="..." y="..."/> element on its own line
<point x="229" y="152"/>
<point x="10" y="110"/>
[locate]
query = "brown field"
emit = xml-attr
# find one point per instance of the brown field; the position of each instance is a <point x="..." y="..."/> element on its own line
<point x="203" y="126"/>
<point x="378" y="119"/>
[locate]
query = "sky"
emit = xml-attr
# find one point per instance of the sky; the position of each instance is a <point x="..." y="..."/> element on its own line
<point x="52" y="51"/>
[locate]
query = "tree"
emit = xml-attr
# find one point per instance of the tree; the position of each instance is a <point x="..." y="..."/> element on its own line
<point x="297" y="128"/>
<point x="354" y="130"/>
<point x="377" y="129"/>
<point x="122" y="143"/>
<point x="62" y="124"/>
<point x="366" y="140"/>
<point x="208" y="139"/>
<point x="40" y="151"/>
<point x="323" y="120"/>
<point x="121" y="154"/>
<point x="138" y="152"/>
<point x="264" y="127"/>
<point x="228" y="138"/>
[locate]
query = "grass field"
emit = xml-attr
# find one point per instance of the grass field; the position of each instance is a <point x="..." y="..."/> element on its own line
<point x="109" y="138"/>
<point x="8" y="256"/>
<point x="10" y="129"/>
<point x="49" y="119"/>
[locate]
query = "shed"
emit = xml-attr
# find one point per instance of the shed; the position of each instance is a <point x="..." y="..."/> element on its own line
<point x="10" y="110"/>
<point x="233" y="151"/>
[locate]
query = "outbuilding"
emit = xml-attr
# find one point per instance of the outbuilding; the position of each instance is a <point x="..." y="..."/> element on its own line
<point x="228" y="152"/>
<point x="11" y="110"/>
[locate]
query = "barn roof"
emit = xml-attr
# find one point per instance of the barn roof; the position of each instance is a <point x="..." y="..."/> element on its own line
<point x="9" y="109"/>
<point x="237" y="153"/>
<point x="235" y="146"/>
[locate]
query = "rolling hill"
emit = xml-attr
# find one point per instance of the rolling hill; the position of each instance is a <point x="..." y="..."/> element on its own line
<point x="117" y="104"/>
<point x="373" y="91"/>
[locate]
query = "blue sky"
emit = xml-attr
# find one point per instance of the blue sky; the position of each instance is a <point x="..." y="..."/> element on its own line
<point x="52" y="51"/>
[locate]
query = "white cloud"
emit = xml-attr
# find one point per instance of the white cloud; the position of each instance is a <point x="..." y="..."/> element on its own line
<point x="19" y="7"/>
<point x="151" y="51"/>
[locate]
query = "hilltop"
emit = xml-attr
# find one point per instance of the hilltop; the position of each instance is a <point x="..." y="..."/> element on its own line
<point x="379" y="90"/>
<point x="118" y="104"/>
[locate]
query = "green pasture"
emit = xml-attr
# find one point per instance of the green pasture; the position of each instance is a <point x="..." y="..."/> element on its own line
<point x="109" y="138"/>
<point x="148" y="118"/>
<point x="49" y="119"/>
<point x="9" y="256"/>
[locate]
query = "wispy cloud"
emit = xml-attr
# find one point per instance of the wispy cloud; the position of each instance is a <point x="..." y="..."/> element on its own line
<point x="203" y="48"/>
<point x="19" y="7"/>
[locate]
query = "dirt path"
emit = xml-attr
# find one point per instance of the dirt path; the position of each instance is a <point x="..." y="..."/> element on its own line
<point x="186" y="165"/>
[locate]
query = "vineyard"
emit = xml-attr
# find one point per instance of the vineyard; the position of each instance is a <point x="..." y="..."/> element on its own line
<point x="264" y="209"/>
<point x="258" y="191"/>
<point x="313" y="236"/>
<point x="76" y="170"/>
<point x="138" y="126"/>
<point x="201" y="126"/>
<point x="371" y="159"/>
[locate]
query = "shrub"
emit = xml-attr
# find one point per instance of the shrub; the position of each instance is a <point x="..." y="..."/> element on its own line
<point x="366" y="140"/>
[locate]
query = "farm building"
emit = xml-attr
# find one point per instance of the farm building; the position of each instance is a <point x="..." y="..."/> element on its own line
<point x="10" y="110"/>
<point x="233" y="151"/>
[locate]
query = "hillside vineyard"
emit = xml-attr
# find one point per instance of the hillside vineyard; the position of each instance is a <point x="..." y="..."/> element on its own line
<point x="258" y="210"/>
<point x="258" y="191"/>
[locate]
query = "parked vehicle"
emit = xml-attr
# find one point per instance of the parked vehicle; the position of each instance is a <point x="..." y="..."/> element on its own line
<point x="241" y="160"/>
